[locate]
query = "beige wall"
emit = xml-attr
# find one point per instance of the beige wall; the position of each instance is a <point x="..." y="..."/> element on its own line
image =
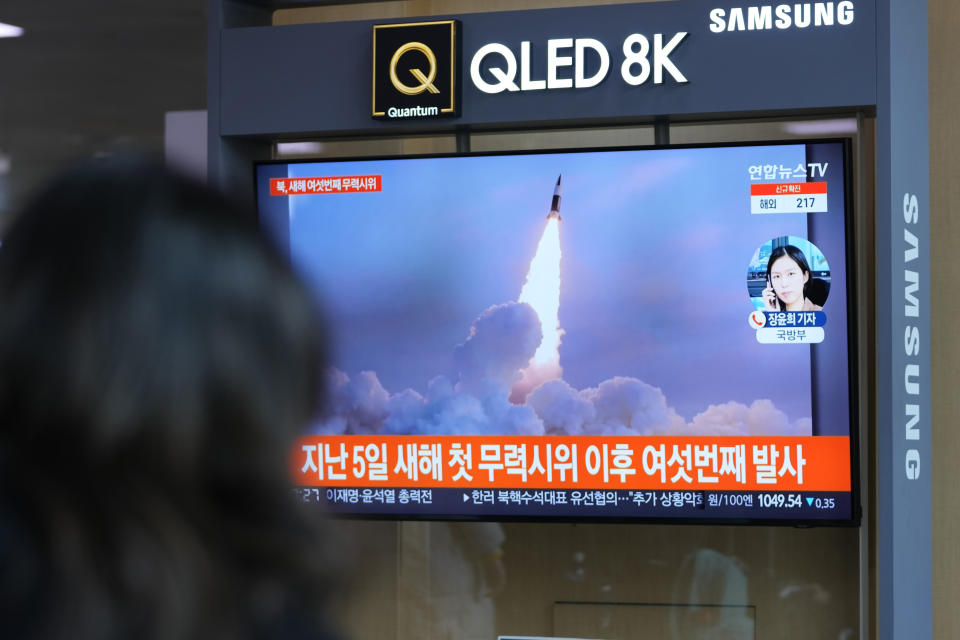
<point x="945" y="311"/>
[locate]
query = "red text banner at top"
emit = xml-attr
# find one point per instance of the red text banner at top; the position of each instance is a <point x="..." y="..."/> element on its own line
<point x="788" y="189"/>
<point x="324" y="184"/>
<point x="813" y="463"/>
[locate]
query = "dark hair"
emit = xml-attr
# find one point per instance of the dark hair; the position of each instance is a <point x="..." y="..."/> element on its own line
<point x="157" y="357"/>
<point x="794" y="254"/>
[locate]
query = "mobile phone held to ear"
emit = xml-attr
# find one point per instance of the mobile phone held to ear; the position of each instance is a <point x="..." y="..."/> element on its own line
<point x="770" y="296"/>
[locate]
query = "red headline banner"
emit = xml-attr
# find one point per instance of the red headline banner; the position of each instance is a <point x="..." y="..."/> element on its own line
<point x="788" y="188"/>
<point x="327" y="184"/>
<point x="812" y="463"/>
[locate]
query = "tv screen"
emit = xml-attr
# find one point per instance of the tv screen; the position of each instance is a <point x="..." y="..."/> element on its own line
<point x="631" y="334"/>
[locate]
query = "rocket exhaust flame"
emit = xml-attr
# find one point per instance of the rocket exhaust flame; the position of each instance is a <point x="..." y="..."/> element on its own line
<point x="542" y="292"/>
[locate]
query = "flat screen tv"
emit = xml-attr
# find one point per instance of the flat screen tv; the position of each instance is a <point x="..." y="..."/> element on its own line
<point x="657" y="334"/>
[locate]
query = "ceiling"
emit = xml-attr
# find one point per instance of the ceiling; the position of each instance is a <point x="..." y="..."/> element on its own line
<point x="92" y="78"/>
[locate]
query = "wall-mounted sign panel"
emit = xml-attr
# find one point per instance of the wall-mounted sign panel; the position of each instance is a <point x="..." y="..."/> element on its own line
<point x="416" y="70"/>
<point x="560" y="65"/>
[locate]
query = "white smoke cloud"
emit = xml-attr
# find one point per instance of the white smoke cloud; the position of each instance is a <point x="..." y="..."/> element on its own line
<point x="443" y="411"/>
<point x="618" y="406"/>
<point x="501" y="342"/>
<point x="627" y="405"/>
<point x="762" y="418"/>
<point x="532" y="377"/>
<point x="561" y="408"/>
<point x="499" y="346"/>
<point x="356" y="406"/>
<point x="405" y="408"/>
<point x="511" y="418"/>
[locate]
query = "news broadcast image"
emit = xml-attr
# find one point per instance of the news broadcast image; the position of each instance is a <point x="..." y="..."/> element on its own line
<point x="544" y="325"/>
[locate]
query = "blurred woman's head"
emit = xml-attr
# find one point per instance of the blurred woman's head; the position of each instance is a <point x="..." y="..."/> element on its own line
<point x="157" y="357"/>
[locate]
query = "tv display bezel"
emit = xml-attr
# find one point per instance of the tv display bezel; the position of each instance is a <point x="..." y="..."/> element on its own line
<point x="853" y="336"/>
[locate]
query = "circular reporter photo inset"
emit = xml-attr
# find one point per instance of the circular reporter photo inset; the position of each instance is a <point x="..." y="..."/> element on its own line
<point x="788" y="273"/>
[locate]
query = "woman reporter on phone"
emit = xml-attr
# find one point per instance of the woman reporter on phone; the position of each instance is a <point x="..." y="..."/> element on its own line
<point x="788" y="276"/>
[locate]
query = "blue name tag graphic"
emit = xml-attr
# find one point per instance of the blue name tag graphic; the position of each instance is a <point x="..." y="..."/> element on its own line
<point x="795" y="318"/>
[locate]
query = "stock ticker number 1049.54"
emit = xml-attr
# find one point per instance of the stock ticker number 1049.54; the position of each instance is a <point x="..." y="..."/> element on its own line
<point x="794" y="501"/>
<point x="780" y="500"/>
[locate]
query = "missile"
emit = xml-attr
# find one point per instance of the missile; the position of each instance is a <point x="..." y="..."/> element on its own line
<point x="555" y="203"/>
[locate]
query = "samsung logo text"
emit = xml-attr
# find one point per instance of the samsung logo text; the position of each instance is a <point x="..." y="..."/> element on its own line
<point x="911" y="337"/>
<point x="799" y="15"/>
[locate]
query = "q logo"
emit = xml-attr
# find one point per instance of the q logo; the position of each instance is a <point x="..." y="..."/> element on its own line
<point x="426" y="81"/>
<point x="416" y="70"/>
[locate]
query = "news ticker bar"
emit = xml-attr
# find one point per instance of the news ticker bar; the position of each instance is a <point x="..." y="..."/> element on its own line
<point x="720" y="463"/>
<point x="567" y="503"/>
